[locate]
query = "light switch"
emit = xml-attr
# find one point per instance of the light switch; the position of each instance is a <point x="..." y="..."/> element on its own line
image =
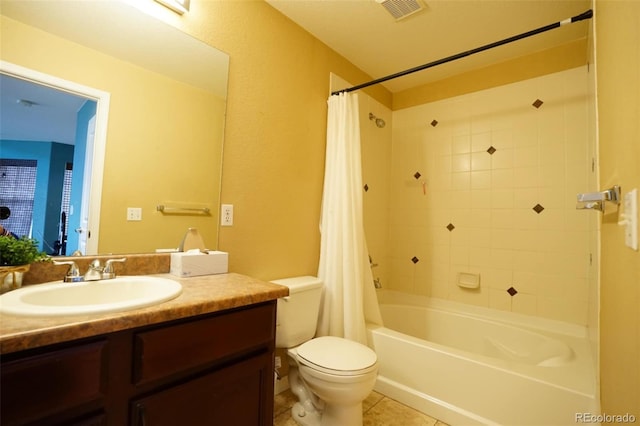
<point x="630" y="219"/>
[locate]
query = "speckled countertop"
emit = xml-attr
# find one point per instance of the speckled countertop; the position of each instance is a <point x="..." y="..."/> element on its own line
<point x="200" y="295"/>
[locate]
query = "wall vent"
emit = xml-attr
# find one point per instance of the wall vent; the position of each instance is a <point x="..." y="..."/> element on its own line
<point x="401" y="9"/>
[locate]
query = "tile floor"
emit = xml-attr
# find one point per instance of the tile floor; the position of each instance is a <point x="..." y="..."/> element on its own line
<point x="378" y="410"/>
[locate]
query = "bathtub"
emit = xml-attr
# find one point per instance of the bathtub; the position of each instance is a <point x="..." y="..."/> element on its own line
<point x="468" y="365"/>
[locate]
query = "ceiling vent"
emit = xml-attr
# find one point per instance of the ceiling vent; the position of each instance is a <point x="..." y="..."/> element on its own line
<point x="401" y="9"/>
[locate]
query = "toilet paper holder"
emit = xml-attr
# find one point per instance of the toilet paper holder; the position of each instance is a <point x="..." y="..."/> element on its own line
<point x="598" y="200"/>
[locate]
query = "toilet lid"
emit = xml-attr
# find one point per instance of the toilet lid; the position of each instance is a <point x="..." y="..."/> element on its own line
<point x="338" y="354"/>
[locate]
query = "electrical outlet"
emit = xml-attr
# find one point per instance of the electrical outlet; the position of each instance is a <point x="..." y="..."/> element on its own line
<point x="226" y="215"/>
<point x="134" y="213"/>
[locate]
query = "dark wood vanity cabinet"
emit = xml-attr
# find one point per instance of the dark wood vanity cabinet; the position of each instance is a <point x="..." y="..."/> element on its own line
<point x="213" y="369"/>
<point x="39" y="385"/>
<point x="229" y="396"/>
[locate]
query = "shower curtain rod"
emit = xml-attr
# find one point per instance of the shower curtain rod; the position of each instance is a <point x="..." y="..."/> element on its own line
<point x="585" y="15"/>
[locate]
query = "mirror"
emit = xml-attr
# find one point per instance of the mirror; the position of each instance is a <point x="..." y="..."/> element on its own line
<point x="160" y="101"/>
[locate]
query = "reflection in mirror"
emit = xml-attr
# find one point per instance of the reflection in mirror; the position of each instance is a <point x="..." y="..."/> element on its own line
<point x="44" y="132"/>
<point x="163" y="140"/>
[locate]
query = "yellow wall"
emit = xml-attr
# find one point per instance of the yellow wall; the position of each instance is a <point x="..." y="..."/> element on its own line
<point x="150" y="118"/>
<point x="618" y="71"/>
<point x="275" y="133"/>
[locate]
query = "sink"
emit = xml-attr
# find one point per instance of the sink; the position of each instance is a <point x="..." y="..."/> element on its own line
<point x="114" y="295"/>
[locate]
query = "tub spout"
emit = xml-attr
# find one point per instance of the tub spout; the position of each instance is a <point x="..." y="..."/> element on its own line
<point x="377" y="283"/>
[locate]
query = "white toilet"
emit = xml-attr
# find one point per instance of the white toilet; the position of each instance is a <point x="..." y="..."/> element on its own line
<point x="331" y="376"/>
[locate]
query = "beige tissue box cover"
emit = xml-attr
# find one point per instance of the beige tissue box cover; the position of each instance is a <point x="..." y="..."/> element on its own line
<point x="194" y="263"/>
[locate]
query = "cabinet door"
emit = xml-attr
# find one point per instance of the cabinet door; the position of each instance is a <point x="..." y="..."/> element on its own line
<point x="37" y="386"/>
<point x="237" y="395"/>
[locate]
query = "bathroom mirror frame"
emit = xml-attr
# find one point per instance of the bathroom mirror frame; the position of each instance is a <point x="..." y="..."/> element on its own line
<point x="103" y="103"/>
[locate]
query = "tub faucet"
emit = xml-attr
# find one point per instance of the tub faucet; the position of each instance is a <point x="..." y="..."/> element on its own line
<point x="377" y="283"/>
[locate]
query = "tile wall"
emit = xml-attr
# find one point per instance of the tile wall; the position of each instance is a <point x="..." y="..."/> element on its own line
<point x="486" y="184"/>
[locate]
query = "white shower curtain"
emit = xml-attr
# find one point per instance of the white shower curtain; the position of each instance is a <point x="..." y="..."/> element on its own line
<point x="349" y="298"/>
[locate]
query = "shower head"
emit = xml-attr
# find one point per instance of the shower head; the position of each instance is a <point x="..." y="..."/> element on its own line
<point x="379" y="121"/>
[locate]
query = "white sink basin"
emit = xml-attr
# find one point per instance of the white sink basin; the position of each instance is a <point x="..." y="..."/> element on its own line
<point x="118" y="294"/>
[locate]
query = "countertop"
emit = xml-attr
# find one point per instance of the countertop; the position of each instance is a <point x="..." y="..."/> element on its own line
<point x="200" y="295"/>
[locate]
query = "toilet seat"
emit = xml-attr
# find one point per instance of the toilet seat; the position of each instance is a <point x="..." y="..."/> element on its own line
<point x="337" y="356"/>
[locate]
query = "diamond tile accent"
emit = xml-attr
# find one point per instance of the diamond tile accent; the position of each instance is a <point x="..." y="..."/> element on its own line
<point x="512" y="291"/>
<point x="417" y="175"/>
<point x="450" y="227"/>
<point x="434" y="123"/>
<point x="366" y="187"/>
<point x="538" y="208"/>
<point x="491" y="150"/>
<point x="415" y="259"/>
<point x="538" y="103"/>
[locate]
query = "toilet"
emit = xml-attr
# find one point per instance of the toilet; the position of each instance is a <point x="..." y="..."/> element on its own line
<point x="331" y="376"/>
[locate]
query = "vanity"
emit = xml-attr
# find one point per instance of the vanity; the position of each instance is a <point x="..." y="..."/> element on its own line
<point x="205" y="357"/>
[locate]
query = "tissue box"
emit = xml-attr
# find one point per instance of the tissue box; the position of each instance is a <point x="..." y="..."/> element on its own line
<point x="194" y="263"/>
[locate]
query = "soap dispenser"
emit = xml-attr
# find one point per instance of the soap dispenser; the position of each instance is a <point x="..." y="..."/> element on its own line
<point x="192" y="240"/>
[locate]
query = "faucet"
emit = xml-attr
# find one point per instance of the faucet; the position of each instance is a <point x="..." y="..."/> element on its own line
<point x="73" y="274"/>
<point x="95" y="272"/>
<point x="109" y="272"/>
<point x="376" y="282"/>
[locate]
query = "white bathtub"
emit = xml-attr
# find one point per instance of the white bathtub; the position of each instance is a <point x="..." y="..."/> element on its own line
<point x="468" y="365"/>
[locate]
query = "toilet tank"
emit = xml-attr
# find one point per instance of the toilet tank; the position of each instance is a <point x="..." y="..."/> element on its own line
<point x="297" y="314"/>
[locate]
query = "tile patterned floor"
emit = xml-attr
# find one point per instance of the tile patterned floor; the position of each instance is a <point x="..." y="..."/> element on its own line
<point x="378" y="410"/>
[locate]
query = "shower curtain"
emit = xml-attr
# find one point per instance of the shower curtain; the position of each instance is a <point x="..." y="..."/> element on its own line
<point x="349" y="298"/>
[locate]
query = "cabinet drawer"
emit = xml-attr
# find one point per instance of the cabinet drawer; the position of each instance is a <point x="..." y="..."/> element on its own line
<point x="162" y="352"/>
<point x="40" y="385"/>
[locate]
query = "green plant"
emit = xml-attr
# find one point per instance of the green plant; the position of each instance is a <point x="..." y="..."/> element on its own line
<point x="19" y="251"/>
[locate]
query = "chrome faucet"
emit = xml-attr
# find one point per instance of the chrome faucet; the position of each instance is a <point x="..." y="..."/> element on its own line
<point x="108" y="272"/>
<point x="73" y="274"/>
<point x="95" y="272"/>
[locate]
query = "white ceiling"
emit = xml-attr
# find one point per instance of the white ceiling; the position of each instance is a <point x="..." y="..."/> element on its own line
<point x="369" y="37"/>
<point x="54" y="111"/>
